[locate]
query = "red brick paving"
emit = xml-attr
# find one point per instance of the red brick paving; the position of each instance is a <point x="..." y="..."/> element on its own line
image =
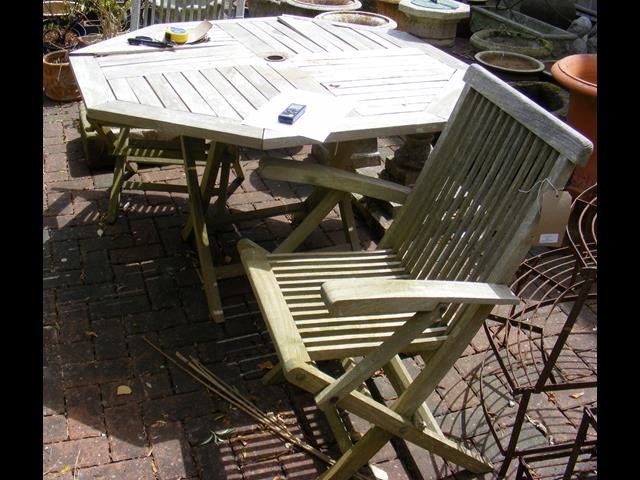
<point x="104" y="291"/>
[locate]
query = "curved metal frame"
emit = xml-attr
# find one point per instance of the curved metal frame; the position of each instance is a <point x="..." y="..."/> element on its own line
<point x="551" y="278"/>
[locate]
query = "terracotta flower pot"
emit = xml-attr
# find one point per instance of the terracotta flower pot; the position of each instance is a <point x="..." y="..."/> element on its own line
<point x="579" y="75"/>
<point x="389" y="8"/>
<point x="57" y="77"/>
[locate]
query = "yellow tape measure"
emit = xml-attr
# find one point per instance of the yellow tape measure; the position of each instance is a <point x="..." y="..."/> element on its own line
<point x="177" y="34"/>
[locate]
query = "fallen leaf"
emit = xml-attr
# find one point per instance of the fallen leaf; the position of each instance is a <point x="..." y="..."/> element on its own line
<point x="208" y="439"/>
<point x="225" y="432"/>
<point x="379" y="473"/>
<point x="537" y="424"/>
<point x="576" y="395"/>
<point x="159" y="423"/>
<point x="123" y="390"/>
<point x="266" y="365"/>
<point x="90" y="333"/>
<point x="66" y="469"/>
<point x="551" y="396"/>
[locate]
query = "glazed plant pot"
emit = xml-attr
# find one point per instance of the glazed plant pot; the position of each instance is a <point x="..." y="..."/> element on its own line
<point x="548" y="95"/>
<point x="579" y="75"/>
<point x="58" y="80"/>
<point x="510" y="66"/>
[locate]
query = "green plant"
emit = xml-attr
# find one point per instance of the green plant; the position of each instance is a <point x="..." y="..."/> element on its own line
<point x="59" y="21"/>
<point x="112" y="15"/>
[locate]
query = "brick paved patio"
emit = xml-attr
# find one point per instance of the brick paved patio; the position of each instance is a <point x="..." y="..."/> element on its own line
<point x="105" y="287"/>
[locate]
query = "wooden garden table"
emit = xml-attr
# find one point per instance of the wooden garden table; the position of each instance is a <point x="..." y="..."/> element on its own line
<point x="398" y="84"/>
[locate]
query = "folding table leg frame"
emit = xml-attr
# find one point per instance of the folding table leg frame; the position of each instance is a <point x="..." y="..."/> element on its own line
<point x="321" y="202"/>
<point x="197" y="219"/>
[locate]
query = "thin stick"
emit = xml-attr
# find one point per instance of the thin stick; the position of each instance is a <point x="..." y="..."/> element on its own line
<point x="220" y="388"/>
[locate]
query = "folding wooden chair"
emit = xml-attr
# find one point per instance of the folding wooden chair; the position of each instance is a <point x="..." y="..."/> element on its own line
<point x="438" y="272"/>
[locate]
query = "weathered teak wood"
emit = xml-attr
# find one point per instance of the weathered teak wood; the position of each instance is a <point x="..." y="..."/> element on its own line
<point x="397" y="86"/>
<point x="442" y="266"/>
<point x="331" y="177"/>
<point x="148" y="12"/>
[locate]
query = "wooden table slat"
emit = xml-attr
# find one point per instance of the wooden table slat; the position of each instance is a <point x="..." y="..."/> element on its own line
<point x="122" y="90"/>
<point x="297" y="44"/>
<point x="347" y="35"/>
<point x="238" y="102"/>
<point x="145" y="93"/>
<point x="188" y="94"/>
<point x="232" y="56"/>
<point x="213" y="97"/>
<point x="252" y="93"/>
<point x="258" y="81"/>
<point x="313" y="32"/>
<point x="166" y="94"/>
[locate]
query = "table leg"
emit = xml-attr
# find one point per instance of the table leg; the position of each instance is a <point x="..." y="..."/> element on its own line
<point x="322" y="200"/>
<point x="207" y="187"/>
<point x="349" y="222"/>
<point x="189" y="147"/>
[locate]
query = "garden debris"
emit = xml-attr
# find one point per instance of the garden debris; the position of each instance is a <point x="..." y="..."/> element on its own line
<point x="539" y="425"/>
<point x="218" y="437"/>
<point x="265" y="365"/>
<point x="576" y="395"/>
<point x="123" y="390"/>
<point x="228" y="393"/>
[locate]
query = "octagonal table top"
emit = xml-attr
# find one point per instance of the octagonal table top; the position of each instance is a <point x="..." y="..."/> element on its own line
<point x="397" y="83"/>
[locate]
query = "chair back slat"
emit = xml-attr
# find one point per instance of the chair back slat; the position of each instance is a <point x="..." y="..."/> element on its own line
<point x="475" y="205"/>
<point x="472" y="211"/>
<point x="149" y="12"/>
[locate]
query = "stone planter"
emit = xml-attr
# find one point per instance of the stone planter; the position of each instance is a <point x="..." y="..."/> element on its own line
<point x="359" y="18"/>
<point x="303" y="8"/>
<point x="516" y="42"/>
<point x="579" y="75"/>
<point x="58" y="80"/>
<point x="436" y="25"/>
<point x="491" y="17"/>
<point x="510" y="66"/>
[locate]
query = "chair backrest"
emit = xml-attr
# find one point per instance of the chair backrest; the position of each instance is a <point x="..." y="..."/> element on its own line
<point x="471" y="213"/>
<point x="149" y="12"/>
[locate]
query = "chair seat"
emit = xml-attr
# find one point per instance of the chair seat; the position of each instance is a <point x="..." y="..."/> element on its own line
<point x="299" y="277"/>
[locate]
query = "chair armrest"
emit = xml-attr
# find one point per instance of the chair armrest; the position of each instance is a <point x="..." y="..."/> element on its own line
<point x="334" y="178"/>
<point x="381" y="296"/>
